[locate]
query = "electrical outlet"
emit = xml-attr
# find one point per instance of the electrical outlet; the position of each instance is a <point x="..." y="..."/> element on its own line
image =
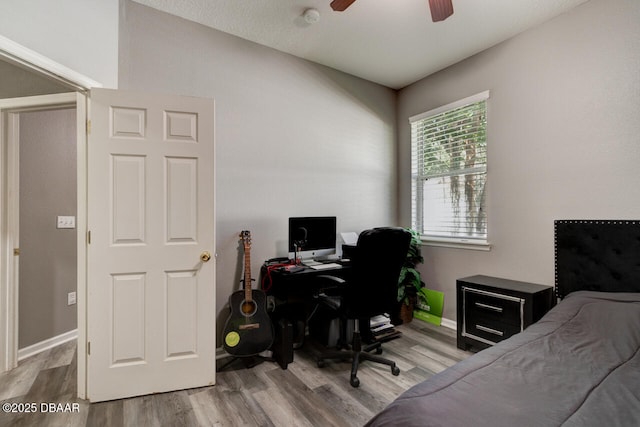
<point x="66" y="222"/>
<point x="71" y="298"/>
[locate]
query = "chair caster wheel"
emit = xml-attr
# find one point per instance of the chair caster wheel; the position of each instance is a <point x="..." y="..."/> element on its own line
<point x="320" y="363"/>
<point x="395" y="371"/>
<point x="355" y="382"/>
<point x="379" y="350"/>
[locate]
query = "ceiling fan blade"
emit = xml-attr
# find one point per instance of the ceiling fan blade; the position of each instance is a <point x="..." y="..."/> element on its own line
<point x="341" y="5"/>
<point x="440" y="9"/>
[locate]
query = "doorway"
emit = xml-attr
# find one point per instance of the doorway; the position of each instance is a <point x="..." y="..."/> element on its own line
<point x="10" y="113"/>
<point x="47" y="232"/>
<point x="37" y="71"/>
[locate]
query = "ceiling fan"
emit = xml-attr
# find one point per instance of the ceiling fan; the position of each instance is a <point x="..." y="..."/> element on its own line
<point x="440" y="9"/>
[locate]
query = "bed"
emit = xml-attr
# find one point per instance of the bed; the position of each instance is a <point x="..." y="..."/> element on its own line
<point x="577" y="366"/>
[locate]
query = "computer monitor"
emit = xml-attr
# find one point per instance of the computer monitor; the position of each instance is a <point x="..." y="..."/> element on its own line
<point x="315" y="236"/>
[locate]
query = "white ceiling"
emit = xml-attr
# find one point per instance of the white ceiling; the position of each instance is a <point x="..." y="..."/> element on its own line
<point x="391" y="42"/>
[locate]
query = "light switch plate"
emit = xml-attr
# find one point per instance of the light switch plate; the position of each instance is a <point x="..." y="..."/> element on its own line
<point x="66" y="222"/>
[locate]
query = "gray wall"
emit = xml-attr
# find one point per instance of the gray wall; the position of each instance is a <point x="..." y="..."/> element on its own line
<point x="296" y="138"/>
<point x="292" y="137"/>
<point x="15" y="82"/>
<point x="79" y="34"/>
<point x="47" y="254"/>
<point x="563" y="127"/>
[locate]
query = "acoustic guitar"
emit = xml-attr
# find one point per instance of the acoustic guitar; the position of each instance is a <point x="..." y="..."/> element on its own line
<point x="248" y="330"/>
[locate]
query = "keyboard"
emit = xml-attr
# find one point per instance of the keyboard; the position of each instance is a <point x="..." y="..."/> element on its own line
<point x="325" y="266"/>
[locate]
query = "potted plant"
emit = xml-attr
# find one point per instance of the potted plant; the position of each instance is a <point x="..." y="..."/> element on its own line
<point x="409" y="281"/>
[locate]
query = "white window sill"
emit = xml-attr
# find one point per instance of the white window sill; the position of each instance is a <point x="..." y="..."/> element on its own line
<point x="457" y="243"/>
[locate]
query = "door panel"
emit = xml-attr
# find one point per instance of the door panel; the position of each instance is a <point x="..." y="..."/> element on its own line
<point x="126" y="310"/>
<point x="182" y="297"/>
<point x="182" y="200"/>
<point x="151" y="300"/>
<point x="128" y="197"/>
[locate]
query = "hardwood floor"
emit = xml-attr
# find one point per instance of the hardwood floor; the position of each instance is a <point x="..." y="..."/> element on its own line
<point x="263" y="395"/>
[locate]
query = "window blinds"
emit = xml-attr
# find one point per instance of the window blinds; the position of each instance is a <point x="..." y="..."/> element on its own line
<point x="449" y="168"/>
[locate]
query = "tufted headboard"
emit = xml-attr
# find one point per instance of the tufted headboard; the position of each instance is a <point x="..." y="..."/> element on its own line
<point x="597" y="255"/>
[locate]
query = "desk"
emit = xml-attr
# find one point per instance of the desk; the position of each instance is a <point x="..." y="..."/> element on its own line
<point x="295" y="295"/>
<point x="285" y="285"/>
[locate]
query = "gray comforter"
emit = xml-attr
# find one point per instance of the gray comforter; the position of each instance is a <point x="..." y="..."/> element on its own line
<point x="577" y="366"/>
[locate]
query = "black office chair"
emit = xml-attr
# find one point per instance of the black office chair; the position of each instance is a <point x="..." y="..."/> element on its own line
<point x="371" y="290"/>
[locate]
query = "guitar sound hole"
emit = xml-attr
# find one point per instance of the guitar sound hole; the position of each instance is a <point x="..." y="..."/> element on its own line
<point x="248" y="308"/>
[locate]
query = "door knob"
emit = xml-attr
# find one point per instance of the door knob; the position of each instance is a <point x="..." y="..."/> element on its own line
<point x="205" y="256"/>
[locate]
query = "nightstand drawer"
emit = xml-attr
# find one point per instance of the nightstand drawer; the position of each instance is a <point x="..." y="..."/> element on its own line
<point x="486" y="306"/>
<point x="491" y="331"/>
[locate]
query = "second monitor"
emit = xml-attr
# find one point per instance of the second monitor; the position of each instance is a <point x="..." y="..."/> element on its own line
<point x="313" y="236"/>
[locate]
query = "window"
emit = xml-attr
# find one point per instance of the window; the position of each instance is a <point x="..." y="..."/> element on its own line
<point x="449" y="171"/>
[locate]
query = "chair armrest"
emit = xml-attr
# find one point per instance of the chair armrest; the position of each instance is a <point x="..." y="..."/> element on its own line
<point x="336" y="281"/>
<point x="328" y="282"/>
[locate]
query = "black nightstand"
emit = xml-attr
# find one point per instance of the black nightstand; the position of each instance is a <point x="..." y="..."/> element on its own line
<point x="491" y="309"/>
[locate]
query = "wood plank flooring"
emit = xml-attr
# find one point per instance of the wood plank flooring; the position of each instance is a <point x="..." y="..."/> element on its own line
<point x="263" y="395"/>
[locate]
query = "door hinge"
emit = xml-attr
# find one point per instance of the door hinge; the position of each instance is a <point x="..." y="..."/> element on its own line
<point x="89" y="237"/>
<point x="88" y="348"/>
<point x="88" y="127"/>
<point x="16" y="251"/>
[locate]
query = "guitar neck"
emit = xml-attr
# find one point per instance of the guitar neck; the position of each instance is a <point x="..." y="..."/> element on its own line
<point x="247" y="273"/>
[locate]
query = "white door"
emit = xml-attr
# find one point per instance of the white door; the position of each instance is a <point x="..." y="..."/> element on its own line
<point x="151" y="291"/>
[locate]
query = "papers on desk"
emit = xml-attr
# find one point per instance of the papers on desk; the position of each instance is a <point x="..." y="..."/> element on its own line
<point x="349" y="238"/>
<point x="325" y="266"/>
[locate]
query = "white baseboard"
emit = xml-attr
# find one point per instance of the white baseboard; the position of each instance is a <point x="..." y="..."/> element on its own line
<point x="448" y="323"/>
<point x="41" y="346"/>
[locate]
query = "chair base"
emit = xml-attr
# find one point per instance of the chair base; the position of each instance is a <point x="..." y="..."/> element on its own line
<point x="358" y="354"/>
